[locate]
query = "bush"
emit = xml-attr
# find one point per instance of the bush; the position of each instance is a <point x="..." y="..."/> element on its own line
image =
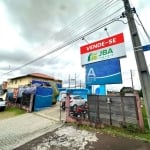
<point x="132" y="128"/>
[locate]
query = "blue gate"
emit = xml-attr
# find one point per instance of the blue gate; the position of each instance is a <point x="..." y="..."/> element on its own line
<point x="43" y="98"/>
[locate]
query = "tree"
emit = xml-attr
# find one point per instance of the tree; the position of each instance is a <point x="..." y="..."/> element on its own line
<point x="55" y="92"/>
<point x="126" y="90"/>
<point x="140" y="93"/>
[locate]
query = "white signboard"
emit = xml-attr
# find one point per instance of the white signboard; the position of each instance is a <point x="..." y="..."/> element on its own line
<point x="108" y="48"/>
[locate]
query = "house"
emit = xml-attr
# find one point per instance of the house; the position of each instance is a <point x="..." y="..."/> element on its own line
<point x="28" y="79"/>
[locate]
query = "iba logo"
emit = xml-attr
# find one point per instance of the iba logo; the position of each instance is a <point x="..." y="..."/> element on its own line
<point x="106" y="53"/>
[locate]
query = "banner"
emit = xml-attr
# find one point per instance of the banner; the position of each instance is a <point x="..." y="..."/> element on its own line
<point x="108" y="48"/>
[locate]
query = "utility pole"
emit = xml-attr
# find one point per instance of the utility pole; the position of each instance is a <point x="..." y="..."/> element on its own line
<point x="139" y="56"/>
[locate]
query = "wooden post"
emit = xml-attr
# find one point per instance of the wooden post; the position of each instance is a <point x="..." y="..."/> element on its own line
<point x="140" y="121"/>
<point x="67" y="106"/>
<point x="123" y="111"/>
<point x="31" y="103"/>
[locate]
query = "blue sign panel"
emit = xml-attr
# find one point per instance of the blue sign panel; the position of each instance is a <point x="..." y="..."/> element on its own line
<point x="82" y="92"/>
<point x="146" y="47"/>
<point x="101" y="90"/>
<point x="104" y="72"/>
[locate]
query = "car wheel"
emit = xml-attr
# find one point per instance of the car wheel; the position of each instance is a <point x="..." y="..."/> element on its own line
<point x="63" y="107"/>
<point x="2" y="108"/>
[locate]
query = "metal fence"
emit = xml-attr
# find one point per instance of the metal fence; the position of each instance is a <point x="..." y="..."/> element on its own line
<point x="25" y="102"/>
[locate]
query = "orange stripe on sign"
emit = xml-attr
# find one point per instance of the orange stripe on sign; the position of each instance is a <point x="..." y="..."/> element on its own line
<point x="113" y="40"/>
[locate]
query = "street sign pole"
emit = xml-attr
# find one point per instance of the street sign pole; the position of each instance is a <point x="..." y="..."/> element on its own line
<point x="146" y="47"/>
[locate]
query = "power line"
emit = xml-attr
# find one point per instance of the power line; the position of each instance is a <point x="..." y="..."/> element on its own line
<point x="92" y="19"/>
<point x="143" y="26"/>
<point x="87" y="18"/>
<point x="65" y="43"/>
<point x="98" y="9"/>
<point x="96" y="24"/>
<point x="141" y="34"/>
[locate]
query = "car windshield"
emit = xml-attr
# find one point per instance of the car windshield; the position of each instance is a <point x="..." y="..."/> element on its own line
<point x="77" y="97"/>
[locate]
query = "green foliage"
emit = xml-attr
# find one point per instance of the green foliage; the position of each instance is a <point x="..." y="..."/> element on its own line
<point x="130" y="131"/>
<point x="145" y="117"/>
<point x="15" y="110"/>
<point x="124" y="90"/>
<point x="55" y="92"/>
<point x="11" y="111"/>
<point x="132" y="128"/>
<point x="141" y="93"/>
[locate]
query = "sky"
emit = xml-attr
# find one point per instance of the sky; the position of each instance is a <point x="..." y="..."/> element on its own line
<point x="36" y="29"/>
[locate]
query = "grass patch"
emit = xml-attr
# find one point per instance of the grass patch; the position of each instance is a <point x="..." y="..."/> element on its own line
<point x="11" y="112"/>
<point x="128" y="132"/>
<point x="15" y="110"/>
<point x="144" y="136"/>
<point x="145" y="117"/>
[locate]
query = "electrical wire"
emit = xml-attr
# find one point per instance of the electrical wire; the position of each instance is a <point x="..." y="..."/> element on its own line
<point x="146" y="33"/>
<point x="76" y="25"/>
<point x="104" y="18"/>
<point x="62" y="46"/>
<point x="85" y="19"/>
<point x="65" y="43"/>
<point x="97" y="23"/>
<point x="91" y="19"/>
<point x="97" y="9"/>
<point x="141" y="35"/>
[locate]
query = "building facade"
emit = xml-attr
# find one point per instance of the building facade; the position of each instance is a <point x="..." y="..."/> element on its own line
<point x="29" y="78"/>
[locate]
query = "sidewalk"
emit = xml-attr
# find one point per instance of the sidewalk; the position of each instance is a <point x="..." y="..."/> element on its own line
<point x="21" y="129"/>
<point x="53" y="113"/>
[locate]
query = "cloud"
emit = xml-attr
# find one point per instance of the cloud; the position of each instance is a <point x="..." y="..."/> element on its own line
<point x="33" y="29"/>
<point x="39" y="19"/>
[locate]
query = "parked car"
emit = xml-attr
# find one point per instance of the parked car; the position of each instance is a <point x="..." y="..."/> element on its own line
<point x="2" y="104"/>
<point x="75" y="100"/>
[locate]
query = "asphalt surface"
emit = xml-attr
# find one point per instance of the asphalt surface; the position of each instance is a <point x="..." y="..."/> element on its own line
<point x="21" y="129"/>
<point x="70" y="138"/>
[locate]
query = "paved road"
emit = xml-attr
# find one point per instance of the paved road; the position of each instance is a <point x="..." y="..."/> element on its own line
<point x="21" y="129"/>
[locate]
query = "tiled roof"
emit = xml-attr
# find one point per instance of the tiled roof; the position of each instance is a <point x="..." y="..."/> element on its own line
<point x="41" y="75"/>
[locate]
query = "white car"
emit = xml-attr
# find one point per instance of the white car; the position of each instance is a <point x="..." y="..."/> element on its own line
<point x="75" y="100"/>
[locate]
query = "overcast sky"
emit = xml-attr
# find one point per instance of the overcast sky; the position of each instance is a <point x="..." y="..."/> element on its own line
<point x="33" y="28"/>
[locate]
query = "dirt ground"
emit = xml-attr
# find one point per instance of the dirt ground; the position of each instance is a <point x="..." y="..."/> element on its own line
<point x="71" y="138"/>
